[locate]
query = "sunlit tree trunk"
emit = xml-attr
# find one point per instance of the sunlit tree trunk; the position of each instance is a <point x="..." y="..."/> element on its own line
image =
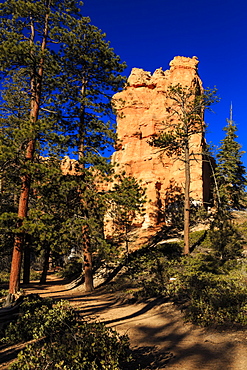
<point x="88" y="260"/>
<point x="36" y="82"/>
<point x="187" y="200"/>
<point x="14" y="282"/>
<point x="86" y="244"/>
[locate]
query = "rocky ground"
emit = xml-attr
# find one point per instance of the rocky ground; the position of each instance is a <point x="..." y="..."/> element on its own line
<point x="156" y="328"/>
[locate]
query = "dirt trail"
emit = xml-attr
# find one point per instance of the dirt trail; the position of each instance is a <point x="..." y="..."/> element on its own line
<point x="156" y="330"/>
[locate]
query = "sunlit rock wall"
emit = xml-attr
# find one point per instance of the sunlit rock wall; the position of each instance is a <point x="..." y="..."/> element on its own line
<point x="142" y="109"/>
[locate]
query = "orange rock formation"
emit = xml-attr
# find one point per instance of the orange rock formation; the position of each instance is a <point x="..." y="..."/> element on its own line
<point x="141" y="110"/>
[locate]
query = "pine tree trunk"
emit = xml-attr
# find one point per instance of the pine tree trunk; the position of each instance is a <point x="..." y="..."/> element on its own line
<point x="45" y="266"/>
<point x="15" y="272"/>
<point x="88" y="263"/>
<point x="36" y="88"/>
<point x="86" y="245"/>
<point x="187" y="201"/>
<point x="14" y="282"/>
<point x="26" y="261"/>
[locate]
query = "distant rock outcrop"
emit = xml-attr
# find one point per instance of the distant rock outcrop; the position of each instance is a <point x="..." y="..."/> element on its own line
<point x="142" y="109"/>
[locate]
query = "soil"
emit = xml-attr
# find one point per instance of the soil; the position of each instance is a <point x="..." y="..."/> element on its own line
<point x="159" y="336"/>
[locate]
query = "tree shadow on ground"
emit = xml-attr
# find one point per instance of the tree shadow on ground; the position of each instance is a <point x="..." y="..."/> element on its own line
<point x="159" y="337"/>
<point x="148" y="358"/>
<point x="183" y="351"/>
<point x="164" y="340"/>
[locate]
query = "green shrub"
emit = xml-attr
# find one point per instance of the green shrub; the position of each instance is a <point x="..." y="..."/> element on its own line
<point x="213" y="289"/>
<point x="215" y="294"/>
<point x="72" y="269"/>
<point x="84" y="346"/>
<point x="62" y="342"/>
<point x="4" y="277"/>
<point x="147" y="272"/>
<point x="37" y="317"/>
<point x="225" y="238"/>
<point x="216" y="300"/>
<point x="3" y="293"/>
<point x="35" y="275"/>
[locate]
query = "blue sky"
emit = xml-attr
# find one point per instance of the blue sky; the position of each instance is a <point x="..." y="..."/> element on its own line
<point x="148" y="34"/>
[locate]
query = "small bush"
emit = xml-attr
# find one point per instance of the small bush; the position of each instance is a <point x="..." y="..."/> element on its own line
<point x="215" y="294"/>
<point x="36" y="318"/>
<point x="147" y="272"/>
<point x="217" y="300"/>
<point x="62" y="342"/>
<point x="73" y="269"/>
<point x="213" y="289"/>
<point x="86" y="346"/>
<point x="4" y="277"/>
<point x="3" y="293"/>
<point x="35" y="275"/>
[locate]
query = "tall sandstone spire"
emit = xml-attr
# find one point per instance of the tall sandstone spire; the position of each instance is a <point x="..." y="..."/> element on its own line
<point x="142" y="109"/>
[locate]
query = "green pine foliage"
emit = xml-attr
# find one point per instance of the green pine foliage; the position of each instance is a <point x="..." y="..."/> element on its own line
<point x="224" y="237"/>
<point x="230" y="171"/>
<point x="216" y="294"/>
<point x="58" y="74"/>
<point x="210" y="289"/>
<point x="126" y="205"/>
<point x="185" y="119"/>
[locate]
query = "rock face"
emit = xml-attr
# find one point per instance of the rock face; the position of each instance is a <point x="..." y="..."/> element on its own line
<point x="142" y="111"/>
<point x="69" y="166"/>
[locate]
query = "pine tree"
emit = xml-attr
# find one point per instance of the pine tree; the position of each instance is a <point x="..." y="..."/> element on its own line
<point x="57" y="74"/>
<point x="225" y="239"/>
<point x="230" y="171"/>
<point x="22" y="65"/>
<point x="126" y="205"/>
<point x="186" y="119"/>
<point x="88" y="86"/>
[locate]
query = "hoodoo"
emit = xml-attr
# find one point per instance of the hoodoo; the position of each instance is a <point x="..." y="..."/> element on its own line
<point x="142" y="110"/>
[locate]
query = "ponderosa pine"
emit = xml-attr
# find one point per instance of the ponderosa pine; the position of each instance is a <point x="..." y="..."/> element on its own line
<point x="61" y="73"/>
<point x="230" y="171"/>
<point x="185" y="120"/>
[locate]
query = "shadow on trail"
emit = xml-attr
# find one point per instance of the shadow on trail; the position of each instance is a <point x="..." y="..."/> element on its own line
<point x="52" y="281"/>
<point x="140" y="312"/>
<point x="164" y="341"/>
<point x="159" y="339"/>
<point x="188" y="353"/>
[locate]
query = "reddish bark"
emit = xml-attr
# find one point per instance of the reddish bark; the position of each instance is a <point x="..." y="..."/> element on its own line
<point x="14" y="282"/>
<point x="187" y="202"/>
<point x="86" y="245"/>
<point x="36" y="89"/>
<point x="88" y="261"/>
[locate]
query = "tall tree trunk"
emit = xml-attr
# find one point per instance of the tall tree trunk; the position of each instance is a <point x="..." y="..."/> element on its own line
<point x="26" y="261"/>
<point x="88" y="261"/>
<point x="45" y="265"/>
<point x="36" y="88"/>
<point x="187" y="201"/>
<point x="86" y="244"/>
<point x="14" y="282"/>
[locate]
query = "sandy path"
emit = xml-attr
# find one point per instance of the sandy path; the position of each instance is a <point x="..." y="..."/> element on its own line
<point x="157" y="330"/>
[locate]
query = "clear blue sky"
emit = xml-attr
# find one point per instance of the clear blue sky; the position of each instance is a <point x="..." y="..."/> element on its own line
<point x="148" y="34"/>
